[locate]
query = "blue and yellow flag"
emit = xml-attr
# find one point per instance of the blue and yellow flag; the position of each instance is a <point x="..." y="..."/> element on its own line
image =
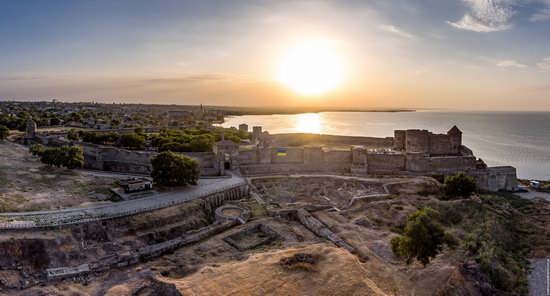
<point x="281" y="151"/>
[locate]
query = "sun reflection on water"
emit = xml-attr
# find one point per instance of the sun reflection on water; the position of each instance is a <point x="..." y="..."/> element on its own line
<point x="308" y="123"/>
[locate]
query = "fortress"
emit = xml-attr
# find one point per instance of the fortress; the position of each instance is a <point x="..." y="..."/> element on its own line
<point x="409" y="153"/>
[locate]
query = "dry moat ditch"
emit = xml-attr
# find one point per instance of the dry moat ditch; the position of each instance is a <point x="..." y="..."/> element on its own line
<point x="300" y="235"/>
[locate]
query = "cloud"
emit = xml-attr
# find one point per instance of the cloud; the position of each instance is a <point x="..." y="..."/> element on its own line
<point x="397" y="31"/>
<point x="543" y="14"/>
<point x="422" y="71"/>
<point x="486" y="16"/>
<point x="510" y="64"/>
<point x="544" y="64"/>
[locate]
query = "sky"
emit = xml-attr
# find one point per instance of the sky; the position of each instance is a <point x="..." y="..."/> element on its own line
<point x="440" y="54"/>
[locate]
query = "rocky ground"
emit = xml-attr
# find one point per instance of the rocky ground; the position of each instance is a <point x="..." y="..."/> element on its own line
<point x="496" y="234"/>
<point x="27" y="185"/>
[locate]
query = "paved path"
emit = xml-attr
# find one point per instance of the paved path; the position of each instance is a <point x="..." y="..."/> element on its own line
<point x="534" y="194"/>
<point x="539" y="277"/>
<point x="79" y="215"/>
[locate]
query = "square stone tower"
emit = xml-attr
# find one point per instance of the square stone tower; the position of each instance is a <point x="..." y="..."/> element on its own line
<point x="455" y="136"/>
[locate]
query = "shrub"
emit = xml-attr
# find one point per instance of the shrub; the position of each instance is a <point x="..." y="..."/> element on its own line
<point x="423" y="237"/>
<point x="36" y="149"/>
<point x="460" y="185"/>
<point x="4" y="132"/>
<point x="73" y="135"/>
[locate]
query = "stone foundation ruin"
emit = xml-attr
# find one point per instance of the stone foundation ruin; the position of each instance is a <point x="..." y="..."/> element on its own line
<point x="251" y="237"/>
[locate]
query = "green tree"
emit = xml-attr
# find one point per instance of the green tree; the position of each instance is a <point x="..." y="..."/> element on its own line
<point x="73" y="135"/>
<point x="4" y="132"/>
<point x="70" y="157"/>
<point x="202" y="143"/>
<point x="55" y="121"/>
<point x="51" y="157"/>
<point x="175" y="147"/>
<point x="460" y="185"/>
<point x="36" y="149"/>
<point x="132" y="140"/>
<point x="75" y="116"/>
<point x="172" y="169"/>
<point x="423" y="237"/>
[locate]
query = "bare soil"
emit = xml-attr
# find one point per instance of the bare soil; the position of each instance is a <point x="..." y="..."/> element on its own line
<point x="315" y="190"/>
<point x="297" y="262"/>
<point x="28" y="185"/>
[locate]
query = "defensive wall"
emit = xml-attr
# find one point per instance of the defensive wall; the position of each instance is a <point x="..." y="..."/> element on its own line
<point x="301" y="139"/>
<point x="108" y="158"/>
<point x="409" y="152"/>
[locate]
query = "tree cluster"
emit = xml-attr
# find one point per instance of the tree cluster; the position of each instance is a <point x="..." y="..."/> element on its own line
<point x="194" y="140"/>
<point x="423" y="237"/>
<point x="70" y="157"/>
<point x="190" y="140"/>
<point x="460" y="185"/>
<point x="172" y="169"/>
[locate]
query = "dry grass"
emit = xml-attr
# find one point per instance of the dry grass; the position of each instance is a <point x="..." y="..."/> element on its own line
<point x="27" y="185"/>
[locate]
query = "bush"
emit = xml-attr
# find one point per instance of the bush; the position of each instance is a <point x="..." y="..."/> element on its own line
<point x="73" y="135"/>
<point x="171" y="169"/>
<point x="423" y="237"/>
<point x="4" y="132"/>
<point x="36" y="149"/>
<point x="460" y="185"/>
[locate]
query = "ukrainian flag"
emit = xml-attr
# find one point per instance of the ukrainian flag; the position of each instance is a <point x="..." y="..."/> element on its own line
<point x="281" y="151"/>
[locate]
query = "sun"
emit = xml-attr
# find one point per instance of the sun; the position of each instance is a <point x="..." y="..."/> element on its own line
<point x="311" y="68"/>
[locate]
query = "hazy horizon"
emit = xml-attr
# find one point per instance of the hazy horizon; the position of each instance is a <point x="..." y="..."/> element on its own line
<point x="449" y="55"/>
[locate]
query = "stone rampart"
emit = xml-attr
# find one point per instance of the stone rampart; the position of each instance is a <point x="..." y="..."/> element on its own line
<point x="439" y="144"/>
<point x="389" y="163"/>
<point x="108" y="158"/>
<point x="496" y="178"/>
<point x="275" y="169"/>
<point x="290" y="155"/>
<point x="337" y="156"/>
<point x="292" y="139"/>
<point x="417" y="141"/>
<point x="451" y="164"/>
<point x="399" y="140"/>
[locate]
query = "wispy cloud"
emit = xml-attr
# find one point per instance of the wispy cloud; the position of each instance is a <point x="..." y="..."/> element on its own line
<point x="422" y="71"/>
<point x="397" y="31"/>
<point x="486" y="16"/>
<point x="544" y="64"/>
<point x="510" y="64"/>
<point x="543" y="14"/>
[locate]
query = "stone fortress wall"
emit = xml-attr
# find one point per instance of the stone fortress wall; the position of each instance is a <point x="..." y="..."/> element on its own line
<point x="409" y="152"/>
<point x="114" y="159"/>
